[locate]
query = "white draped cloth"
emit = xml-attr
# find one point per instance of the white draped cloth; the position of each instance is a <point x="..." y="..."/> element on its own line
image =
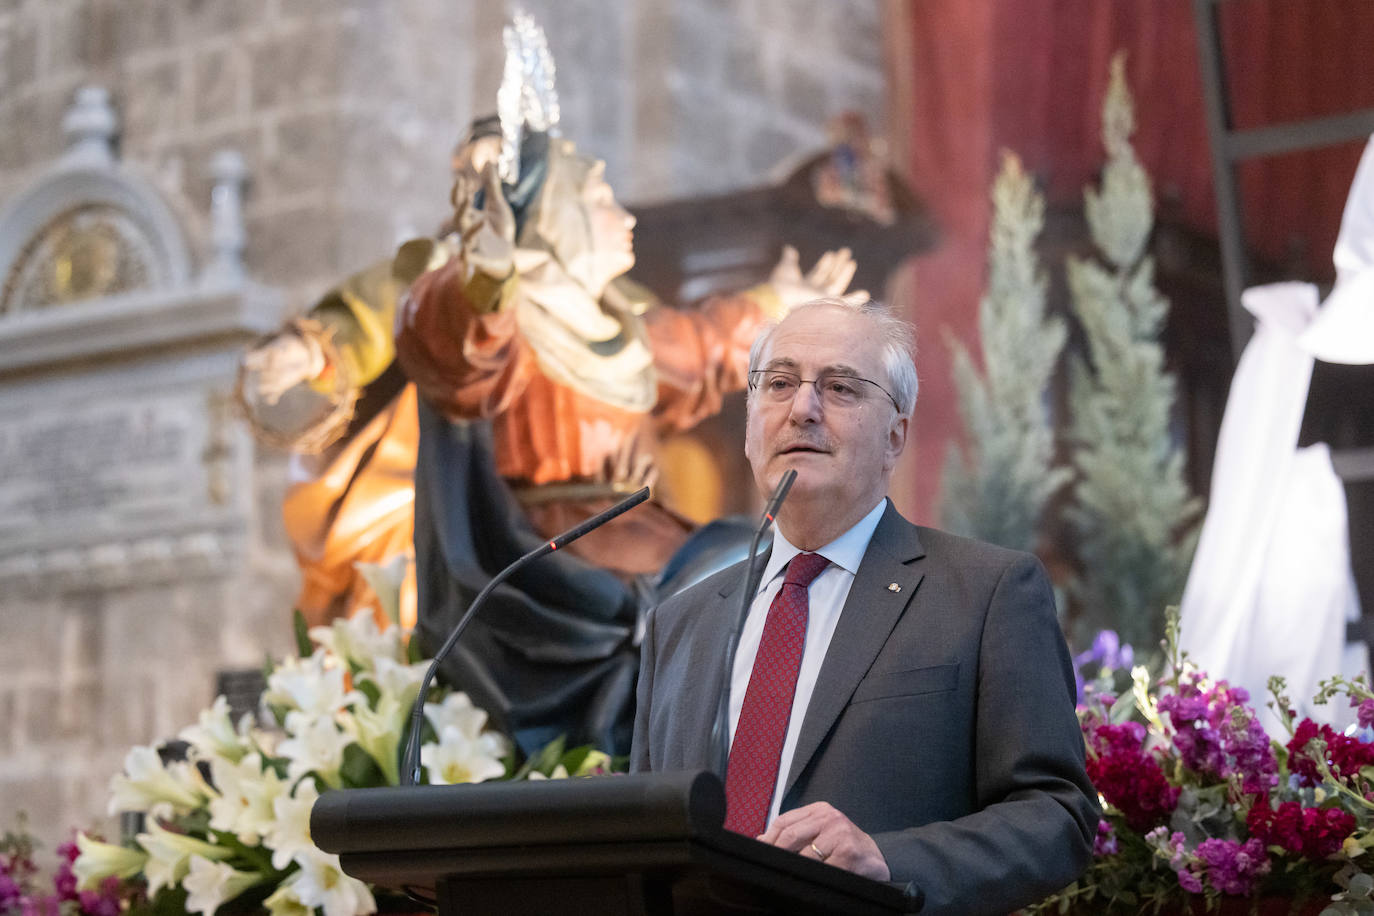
<point x="1270" y="589"/>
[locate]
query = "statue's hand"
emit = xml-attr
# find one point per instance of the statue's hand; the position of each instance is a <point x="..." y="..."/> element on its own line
<point x="282" y="363"/>
<point x="488" y="233"/>
<point x="829" y="278"/>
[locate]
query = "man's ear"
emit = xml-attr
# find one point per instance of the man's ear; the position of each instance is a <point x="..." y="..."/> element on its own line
<point x="896" y="439"/>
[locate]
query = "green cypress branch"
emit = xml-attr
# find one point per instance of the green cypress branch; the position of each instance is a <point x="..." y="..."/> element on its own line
<point x="996" y="486"/>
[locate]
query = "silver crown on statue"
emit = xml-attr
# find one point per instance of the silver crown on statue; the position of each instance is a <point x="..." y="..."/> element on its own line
<point x="527" y="98"/>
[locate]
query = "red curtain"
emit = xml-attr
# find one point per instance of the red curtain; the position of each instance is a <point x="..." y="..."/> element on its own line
<point x="976" y="76"/>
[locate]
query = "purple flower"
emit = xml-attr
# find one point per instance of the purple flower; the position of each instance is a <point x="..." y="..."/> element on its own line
<point x="1217" y="734"/>
<point x="39" y="906"/>
<point x="1233" y="868"/>
<point x="1178" y="845"/>
<point x="99" y="904"/>
<point x="1184" y="709"/>
<point x="64" y="882"/>
<point x="1110" y="653"/>
<point x="1365" y="713"/>
<point x="1107" y="652"/>
<point x="10" y="892"/>
<point x="1105" y="844"/>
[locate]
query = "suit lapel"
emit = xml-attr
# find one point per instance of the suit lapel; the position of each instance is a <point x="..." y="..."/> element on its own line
<point x="714" y="622"/>
<point x="870" y="612"/>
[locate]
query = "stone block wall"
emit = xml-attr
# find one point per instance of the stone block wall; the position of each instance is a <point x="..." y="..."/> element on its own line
<point x="346" y="112"/>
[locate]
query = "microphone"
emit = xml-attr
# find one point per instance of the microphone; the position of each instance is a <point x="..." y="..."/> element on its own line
<point x="410" y="765"/>
<point x="720" y="726"/>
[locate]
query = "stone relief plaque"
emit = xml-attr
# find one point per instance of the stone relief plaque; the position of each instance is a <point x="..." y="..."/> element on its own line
<point x="108" y="490"/>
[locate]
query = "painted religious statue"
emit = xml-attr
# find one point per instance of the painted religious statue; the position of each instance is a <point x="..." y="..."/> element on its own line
<point x="545" y="379"/>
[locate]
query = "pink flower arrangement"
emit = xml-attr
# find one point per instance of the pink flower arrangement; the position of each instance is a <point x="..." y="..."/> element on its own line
<point x="22" y="892"/>
<point x="1201" y="805"/>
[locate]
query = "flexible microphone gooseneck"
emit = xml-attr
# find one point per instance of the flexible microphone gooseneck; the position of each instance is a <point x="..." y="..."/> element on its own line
<point x="720" y="727"/>
<point x="410" y="766"/>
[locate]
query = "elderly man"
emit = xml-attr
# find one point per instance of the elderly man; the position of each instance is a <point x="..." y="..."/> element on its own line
<point x="902" y="701"/>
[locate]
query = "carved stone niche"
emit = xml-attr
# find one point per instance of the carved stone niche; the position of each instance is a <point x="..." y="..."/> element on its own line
<point x="122" y="459"/>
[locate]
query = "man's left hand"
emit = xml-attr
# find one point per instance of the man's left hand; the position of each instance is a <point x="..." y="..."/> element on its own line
<point x="820" y="832"/>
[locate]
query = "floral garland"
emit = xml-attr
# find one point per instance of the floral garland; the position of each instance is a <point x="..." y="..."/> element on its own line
<point x="229" y="826"/>
<point x="1199" y="801"/>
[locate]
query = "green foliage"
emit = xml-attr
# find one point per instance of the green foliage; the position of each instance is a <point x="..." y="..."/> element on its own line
<point x="1133" y="518"/>
<point x="996" y="487"/>
<point x="301" y="630"/>
<point x="169" y="901"/>
<point x="359" y="770"/>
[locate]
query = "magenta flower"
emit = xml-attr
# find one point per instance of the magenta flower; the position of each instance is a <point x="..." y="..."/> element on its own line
<point x="1231" y="867"/>
<point x="1129" y="778"/>
<point x="1313" y="833"/>
<point x="10" y="891"/>
<point x="1344" y="754"/>
<point x="1217" y="734"/>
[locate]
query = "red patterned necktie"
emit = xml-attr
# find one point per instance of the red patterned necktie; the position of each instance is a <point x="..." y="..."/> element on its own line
<point x="755" y="755"/>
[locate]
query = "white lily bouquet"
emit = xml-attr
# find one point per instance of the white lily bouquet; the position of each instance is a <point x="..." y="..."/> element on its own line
<point x="229" y="826"/>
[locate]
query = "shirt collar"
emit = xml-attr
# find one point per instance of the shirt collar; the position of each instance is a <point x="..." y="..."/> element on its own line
<point x="846" y="551"/>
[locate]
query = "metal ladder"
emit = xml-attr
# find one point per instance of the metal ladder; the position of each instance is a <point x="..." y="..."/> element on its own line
<point x="1229" y="148"/>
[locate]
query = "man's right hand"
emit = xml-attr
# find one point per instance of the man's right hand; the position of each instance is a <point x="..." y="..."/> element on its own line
<point x="282" y="363"/>
<point x="820" y="832"/>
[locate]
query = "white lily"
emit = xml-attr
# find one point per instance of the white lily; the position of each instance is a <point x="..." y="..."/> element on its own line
<point x="316" y="745"/>
<point x="214" y="735"/>
<point x="396" y="679"/>
<point x="357" y="640"/>
<point x="286" y="902"/>
<point x="322" y="883"/>
<point x="209" y="884"/>
<point x="98" y="861"/>
<point x="379" y="733"/>
<point x="169" y="855"/>
<point x="244" y="807"/>
<point x="456" y="711"/>
<point x="148" y="786"/>
<point x="314" y="685"/>
<point x="559" y="772"/>
<point x="458" y="758"/>
<point x="387" y="580"/>
<point x="290" y="833"/>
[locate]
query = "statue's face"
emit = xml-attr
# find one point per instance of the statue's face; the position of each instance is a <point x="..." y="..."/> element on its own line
<point x="580" y="221"/>
<point x="609" y="251"/>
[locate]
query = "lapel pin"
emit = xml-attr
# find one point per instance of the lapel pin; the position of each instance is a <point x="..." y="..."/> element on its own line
<point x="894" y="587"/>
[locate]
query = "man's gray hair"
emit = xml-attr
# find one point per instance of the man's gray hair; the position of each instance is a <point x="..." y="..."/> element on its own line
<point x="898" y="346"/>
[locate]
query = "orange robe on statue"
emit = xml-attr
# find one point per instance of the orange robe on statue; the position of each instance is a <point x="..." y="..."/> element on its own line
<point x="566" y="453"/>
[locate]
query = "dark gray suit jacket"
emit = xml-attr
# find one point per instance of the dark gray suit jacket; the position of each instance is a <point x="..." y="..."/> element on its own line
<point x="942" y="721"/>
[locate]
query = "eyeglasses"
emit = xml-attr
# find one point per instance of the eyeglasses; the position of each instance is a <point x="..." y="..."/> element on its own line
<point x="835" y="389"/>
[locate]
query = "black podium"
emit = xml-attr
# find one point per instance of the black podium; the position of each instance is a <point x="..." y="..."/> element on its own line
<point x="648" y="844"/>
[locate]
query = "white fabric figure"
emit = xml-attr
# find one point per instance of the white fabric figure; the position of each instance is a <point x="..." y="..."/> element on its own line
<point x="1270" y="588"/>
<point x="1344" y="331"/>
